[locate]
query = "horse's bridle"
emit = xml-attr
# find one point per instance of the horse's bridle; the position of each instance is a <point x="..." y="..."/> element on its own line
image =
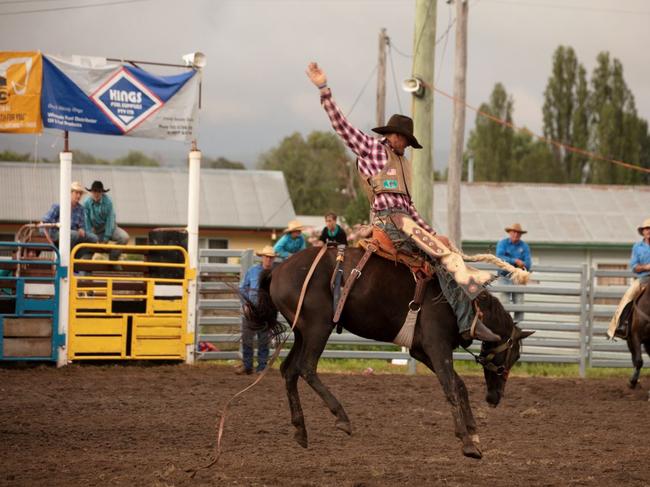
<point x="486" y="357"/>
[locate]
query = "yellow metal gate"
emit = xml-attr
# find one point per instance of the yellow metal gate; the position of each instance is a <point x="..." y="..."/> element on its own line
<point x="129" y="309"/>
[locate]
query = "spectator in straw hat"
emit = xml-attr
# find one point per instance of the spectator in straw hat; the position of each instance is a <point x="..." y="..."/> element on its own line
<point x="516" y="252"/>
<point x="78" y="225"/>
<point x="640" y="265"/>
<point x="291" y="242"/>
<point x="248" y="291"/>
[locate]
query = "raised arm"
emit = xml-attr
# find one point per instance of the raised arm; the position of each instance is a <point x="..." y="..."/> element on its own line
<point x="360" y="143"/>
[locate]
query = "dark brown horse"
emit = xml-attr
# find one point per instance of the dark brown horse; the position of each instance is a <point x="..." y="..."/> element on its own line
<point x="376" y="309"/>
<point x="639" y="334"/>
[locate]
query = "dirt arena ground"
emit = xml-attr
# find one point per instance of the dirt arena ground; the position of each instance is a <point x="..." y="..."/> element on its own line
<point x="144" y="425"/>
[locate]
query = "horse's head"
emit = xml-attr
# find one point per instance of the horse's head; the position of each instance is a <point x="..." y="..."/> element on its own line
<point x="498" y="358"/>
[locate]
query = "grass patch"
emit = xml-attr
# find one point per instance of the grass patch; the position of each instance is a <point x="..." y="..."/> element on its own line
<point x="463" y="367"/>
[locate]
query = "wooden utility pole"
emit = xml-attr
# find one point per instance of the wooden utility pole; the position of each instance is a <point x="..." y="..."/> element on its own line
<point x="381" y="78"/>
<point x="455" y="167"/>
<point x="423" y="60"/>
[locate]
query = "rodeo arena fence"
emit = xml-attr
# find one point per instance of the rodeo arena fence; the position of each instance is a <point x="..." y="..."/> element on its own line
<point x="137" y="308"/>
<point x="568" y="307"/>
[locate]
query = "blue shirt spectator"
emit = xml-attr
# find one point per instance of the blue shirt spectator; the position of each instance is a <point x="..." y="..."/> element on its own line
<point x="640" y="256"/>
<point x="291" y="242"/>
<point x="513" y="250"/>
<point x="77" y="216"/>
<point x="251" y="283"/>
<point x="100" y="216"/>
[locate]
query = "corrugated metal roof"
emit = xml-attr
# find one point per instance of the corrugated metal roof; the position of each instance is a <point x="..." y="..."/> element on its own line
<point x="552" y="213"/>
<point x="153" y="196"/>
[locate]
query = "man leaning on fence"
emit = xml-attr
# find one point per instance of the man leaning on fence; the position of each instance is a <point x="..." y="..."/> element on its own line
<point x="640" y="265"/>
<point x="248" y="291"/>
<point x="516" y="252"/>
<point x="78" y="225"/>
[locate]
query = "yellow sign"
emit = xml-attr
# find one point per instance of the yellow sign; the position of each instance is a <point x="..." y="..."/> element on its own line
<point x="21" y="75"/>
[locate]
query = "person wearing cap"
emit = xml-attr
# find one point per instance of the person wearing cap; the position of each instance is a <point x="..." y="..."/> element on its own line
<point x="248" y="292"/>
<point x="640" y="265"/>
<point x="516" y="252"/>
<point x="386" y="175"/>
<point x="100" y="216"/>
<point x="291" y="242"/>
<point x="332" y="232"/>
<point x="78" y="225"/>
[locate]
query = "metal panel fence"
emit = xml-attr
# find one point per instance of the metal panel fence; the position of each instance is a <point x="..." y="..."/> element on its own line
<point x="558" y="304"/>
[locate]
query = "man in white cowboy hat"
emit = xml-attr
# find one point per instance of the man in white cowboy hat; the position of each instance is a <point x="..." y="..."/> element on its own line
<point x="248" y="291"/>
<point x="386" y="174"/>
<point x="292" y="240"/>
<point x="100" y="215"/>
<point x="516" y="252"/>
<point x="640" y="265"/>
<point x="78" y="226"/>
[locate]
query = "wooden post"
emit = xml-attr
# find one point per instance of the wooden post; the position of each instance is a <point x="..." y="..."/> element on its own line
<point x="423" y="61"/>
<point x="455" y="167"/>
<point x="381" y="79"/>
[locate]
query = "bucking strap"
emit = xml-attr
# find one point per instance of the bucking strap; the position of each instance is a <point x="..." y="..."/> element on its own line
<point x="354" y="275"/>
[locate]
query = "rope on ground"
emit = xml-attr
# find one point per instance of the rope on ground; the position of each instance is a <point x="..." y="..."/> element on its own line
<point x="276" y="354"/>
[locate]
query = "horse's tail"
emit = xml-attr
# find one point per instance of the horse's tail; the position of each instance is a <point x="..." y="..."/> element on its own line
<point x="264" y="314"/>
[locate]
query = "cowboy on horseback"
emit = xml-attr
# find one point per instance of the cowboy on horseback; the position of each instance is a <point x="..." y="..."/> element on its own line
<point x="386" y="172"/>
<point x="640" y="265"/>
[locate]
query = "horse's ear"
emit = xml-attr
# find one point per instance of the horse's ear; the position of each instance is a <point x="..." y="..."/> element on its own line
<point x="525" y="334"/>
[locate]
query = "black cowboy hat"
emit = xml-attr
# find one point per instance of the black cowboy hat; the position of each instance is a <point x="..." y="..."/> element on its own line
<point x="400" y="124"/>
<point x="97" y="186"/>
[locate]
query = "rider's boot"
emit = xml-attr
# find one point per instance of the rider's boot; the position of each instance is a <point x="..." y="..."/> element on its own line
<point x="481" y="332"/>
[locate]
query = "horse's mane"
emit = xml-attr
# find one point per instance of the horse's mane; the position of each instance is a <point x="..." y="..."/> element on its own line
<point x="494" y="311"/>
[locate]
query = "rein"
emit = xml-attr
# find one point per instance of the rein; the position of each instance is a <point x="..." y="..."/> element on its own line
<point x="276" y="354"/>
<point x="486" y="357"/>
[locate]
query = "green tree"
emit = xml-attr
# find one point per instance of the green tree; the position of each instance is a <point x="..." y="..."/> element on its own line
<point x="10" y="156"/>
<point x="221" y="163"/>
<point x="566" y="112"/>
<point x="81" y="157"/>
<point x="617" y="132"/>
<point x="316" y="170"/>
<point x="135" y="158"/>
<point x="490" y="143"/>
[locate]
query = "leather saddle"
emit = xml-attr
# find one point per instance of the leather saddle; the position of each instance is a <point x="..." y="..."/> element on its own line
<point x="385" y="248"/>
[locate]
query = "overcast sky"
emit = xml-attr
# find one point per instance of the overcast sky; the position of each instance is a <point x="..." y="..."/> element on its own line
<point x="255" y="91"/>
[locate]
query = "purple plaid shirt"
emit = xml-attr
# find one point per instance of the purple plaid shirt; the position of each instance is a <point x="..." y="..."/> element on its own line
<point x="372" y="157"/>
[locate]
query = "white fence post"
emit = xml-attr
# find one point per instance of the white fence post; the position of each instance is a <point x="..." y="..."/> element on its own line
<point x="65" y="210"/>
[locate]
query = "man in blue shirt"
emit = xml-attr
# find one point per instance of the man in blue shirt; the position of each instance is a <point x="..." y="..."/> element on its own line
<point x="78" y="226"/>
<point x="516" y="252"/>
<point x="291" y="242"/>
<point x="100" y="216"/>
<point x="640" y="265"/>
<point x="248" y="291"/>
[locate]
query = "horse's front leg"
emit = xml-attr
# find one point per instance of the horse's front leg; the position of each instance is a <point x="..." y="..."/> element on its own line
<point x="314" y="344"/>
<point x="466" y="409"/>
<point x="456" y="396"/>
<point x="634" y="344"/>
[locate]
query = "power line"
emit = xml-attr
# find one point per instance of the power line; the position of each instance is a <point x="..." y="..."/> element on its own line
<point x="74" y="7"/>
<point x="372" y="73"/>
<point x="392" y="69"/>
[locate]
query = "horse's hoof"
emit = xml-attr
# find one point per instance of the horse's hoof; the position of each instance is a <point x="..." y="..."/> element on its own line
<point x="632" y="385"/>
<point x="301" y="438"/>
<point x="472" y="451"/>
<point x="344" y="426"/>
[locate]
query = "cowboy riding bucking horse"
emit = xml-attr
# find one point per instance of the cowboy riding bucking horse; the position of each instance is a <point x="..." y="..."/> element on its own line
<point x="386" y="174"/>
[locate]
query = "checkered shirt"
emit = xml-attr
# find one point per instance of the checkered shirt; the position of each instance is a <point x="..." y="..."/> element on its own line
<point x="372" y="157"/>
